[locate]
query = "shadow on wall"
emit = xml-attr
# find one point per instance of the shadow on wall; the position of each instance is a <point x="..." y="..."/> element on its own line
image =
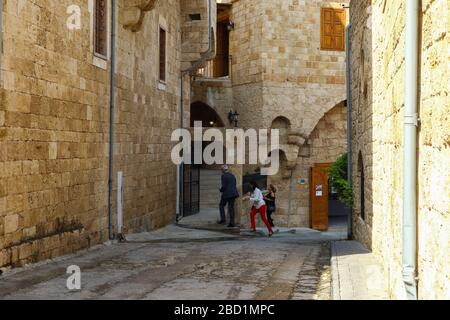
<point x="361" y="79"/>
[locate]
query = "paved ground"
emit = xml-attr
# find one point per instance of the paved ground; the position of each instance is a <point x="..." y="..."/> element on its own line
<point x="356" y="274"/>
<point x="178" y="263"/>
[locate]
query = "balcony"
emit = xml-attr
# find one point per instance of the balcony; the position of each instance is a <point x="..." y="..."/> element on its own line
<point x="218" y="68"/>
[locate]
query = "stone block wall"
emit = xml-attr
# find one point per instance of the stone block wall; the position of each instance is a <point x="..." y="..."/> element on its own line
<point x="147" y="113"/>
<point x="380" y="118"/>
<point x="279" y="70"/>
<point x="53" y="140"/>
<point x="276" y="46"/>
<point x="216" y="93"/>
<point x="194" y="30"/>
<point x="54" y="127"/>
<point x="362" y="115"/>
<point x="326" y="144"/>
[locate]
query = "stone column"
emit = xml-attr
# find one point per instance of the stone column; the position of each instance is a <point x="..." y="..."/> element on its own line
<point x="237" y="170"/>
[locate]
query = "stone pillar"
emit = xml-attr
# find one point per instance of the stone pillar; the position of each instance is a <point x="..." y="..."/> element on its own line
<point x="238" y="171"/>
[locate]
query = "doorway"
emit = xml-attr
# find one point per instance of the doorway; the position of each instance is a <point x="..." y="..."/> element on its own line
<point x="221" y="62"/>
<point x="327" y="212"/>
<point x="191" y="190"/>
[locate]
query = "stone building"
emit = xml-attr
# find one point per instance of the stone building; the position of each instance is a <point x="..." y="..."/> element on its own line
<point x="378" y="116"/>
<point x="281" y="64"/>
<point x="55" y="118"/>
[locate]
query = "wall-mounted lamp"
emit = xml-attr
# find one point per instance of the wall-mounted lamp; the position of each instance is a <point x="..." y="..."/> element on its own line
<point x="233" y="117"/>
<point x="230" y="25"/>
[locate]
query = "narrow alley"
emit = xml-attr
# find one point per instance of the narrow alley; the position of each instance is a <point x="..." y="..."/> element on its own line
<point x="231" y="150"/>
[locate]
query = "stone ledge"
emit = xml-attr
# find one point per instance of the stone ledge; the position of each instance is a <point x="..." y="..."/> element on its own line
<point x="134" y="12"/>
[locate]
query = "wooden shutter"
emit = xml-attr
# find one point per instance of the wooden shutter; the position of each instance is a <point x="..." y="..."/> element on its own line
<point x="162" y="54"/>
<point x="101" y="27"/>
<point x="332" y="29"/>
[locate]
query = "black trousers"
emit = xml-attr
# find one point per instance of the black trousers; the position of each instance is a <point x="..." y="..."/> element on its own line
<point x="230" y="202"/>
<point x="269" y="217"/>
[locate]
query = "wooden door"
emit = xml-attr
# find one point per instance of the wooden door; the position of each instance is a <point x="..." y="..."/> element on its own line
<point x="221" y="61"/>
<point x="319" y="197"/>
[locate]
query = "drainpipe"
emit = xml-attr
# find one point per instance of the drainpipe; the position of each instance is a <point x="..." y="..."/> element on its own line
<point x="349" y="127"/>
<point x="112" y="108"/>
<point x="207" y="55"/>
<point x="410" y="150"/>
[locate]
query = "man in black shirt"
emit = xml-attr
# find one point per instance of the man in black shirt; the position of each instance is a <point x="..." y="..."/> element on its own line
<point x="229" y="195"/>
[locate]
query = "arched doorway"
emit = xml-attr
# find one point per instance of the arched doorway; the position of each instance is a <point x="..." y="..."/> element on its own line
<point x="328" y="143"/>
<point x="202" y="182"/>
<point x="203" y="113"/>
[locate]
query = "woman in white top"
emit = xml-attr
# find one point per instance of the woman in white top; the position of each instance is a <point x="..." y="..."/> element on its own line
<point x="258" y="205"/>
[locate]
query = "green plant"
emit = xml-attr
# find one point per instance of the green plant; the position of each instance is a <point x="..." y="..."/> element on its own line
<point x="338" y="174"/>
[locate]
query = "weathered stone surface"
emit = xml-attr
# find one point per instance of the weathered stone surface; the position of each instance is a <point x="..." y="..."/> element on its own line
<point x="281" y="79"/>
<point x="378" y="69"/>
<point x="11" y="224"/>
<point x="189" y="264"/>
<point x="54" y="125"/>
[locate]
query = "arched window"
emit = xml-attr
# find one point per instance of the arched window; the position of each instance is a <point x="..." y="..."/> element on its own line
<point x="283" y="125"/>
<point x="362" y="185"/>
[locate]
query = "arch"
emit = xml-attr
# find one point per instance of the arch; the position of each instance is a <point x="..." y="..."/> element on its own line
<point x="314" y="118"/>
<point x="281" y="123"/>
<point x="208" y="116"/>
<point x="341" y="104"/>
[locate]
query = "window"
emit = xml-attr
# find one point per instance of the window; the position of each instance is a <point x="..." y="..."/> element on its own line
<point x="332" y="29"/>
<point x="101" y="28"/>
<point x="162" y="55"/>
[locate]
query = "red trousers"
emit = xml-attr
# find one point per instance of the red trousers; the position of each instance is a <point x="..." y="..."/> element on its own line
<point x="262" y="212"/>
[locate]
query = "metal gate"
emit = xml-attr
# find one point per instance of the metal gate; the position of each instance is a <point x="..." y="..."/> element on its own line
<point x="191" y="190"/>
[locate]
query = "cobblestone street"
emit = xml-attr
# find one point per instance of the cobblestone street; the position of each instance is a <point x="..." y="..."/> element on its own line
<point x="177" y="263"/>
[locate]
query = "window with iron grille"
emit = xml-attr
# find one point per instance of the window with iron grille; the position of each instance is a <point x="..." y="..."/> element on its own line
<point x="101" y="28"/>
<point x="162" y="55"/>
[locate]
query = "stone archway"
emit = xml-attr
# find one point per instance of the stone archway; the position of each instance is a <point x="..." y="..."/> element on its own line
<point x="282" y="124"/>
<point x="204" y="113"/>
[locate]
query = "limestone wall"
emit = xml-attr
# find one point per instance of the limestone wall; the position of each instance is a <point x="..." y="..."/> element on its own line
<point x="326" y="144"/>
<point x="194" y="30"/>
<point x="276" y="46"/>
<point x="216" y="93"/>
<point x="147" y="114"/>
<point x="383" y="110"/>
<point x="279" y="70"/>
<point x="362" y="114"/>
<point x="54" y="128"/>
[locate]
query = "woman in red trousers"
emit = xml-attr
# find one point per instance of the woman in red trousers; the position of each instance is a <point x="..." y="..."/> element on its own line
<point x="259" y="205"/>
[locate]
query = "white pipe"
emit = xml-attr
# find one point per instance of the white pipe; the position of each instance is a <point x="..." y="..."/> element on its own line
<point x="120" y="202"/>
<point x="178" y="193"/>
<point x="410" y="150"/>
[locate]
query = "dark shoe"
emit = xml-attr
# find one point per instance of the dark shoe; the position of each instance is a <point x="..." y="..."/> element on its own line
<point x="221" y="222"/>
<point x="231" y="226"/>
<point x="270" y="234"/>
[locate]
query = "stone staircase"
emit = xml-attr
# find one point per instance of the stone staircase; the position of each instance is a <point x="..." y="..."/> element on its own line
<point x="210" y="183"/>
